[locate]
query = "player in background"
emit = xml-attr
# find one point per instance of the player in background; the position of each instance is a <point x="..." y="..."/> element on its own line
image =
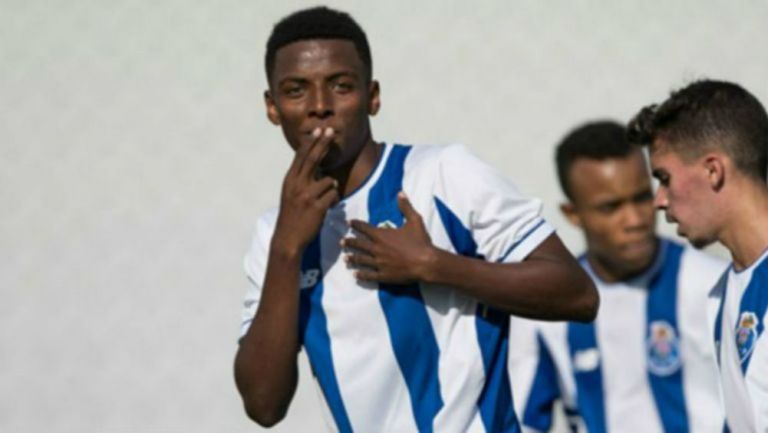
<point x="406" y="324"/>
<point x="646" y="364"/>
<point x="708" y="146"/>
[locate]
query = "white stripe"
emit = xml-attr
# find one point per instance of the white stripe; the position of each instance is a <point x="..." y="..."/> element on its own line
<point x="621" y="332"/>
<point x="698" y="273"/>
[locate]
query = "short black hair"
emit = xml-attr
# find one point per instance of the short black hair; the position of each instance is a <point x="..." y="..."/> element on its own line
<point x="317" y="23"/>
<point x="599" y="140"/>
<point x="706" y="115"/>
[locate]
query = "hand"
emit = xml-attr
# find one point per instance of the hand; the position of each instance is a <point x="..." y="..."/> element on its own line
<point x="305" y="197"/>
<point x="398" y="256"/>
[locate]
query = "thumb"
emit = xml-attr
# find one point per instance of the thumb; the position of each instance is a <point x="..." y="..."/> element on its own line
<point x="406" y="208"/>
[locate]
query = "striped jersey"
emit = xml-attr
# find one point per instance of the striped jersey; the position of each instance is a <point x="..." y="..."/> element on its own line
<point x="646" y="364"/>
<point x="407" y="358"/>
<point x="743" y="346"/>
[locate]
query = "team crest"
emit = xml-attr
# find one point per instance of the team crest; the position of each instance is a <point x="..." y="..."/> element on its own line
<point x="663" y="349"/>
<point x="746" y="334"/>
<point x="386" y="224"/>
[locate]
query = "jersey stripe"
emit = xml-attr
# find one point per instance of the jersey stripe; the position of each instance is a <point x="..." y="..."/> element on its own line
<point x="544" y="390"/>
<point x="666" y="380"/>
<point x="495" y="403"/>
<point x="413" y="339"/>
<point x="496" y="408"/>
<point x="582" y="346"/>
<point x="313" y="331"/>
<point x="755" y="302"/>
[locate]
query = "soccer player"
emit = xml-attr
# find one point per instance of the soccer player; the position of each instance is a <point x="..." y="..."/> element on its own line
<point x="646" y="364"/>
<point x="406" y="324"/>
<point x="709" y="149"/>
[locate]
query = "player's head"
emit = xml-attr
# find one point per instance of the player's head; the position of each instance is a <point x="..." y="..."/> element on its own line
<point x="319" y="68"/>
<point x="704" y="135"/>
<point x="609" y="193"/>
<point x="318" y="23"/>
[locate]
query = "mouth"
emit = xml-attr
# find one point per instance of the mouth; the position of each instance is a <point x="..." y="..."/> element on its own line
<point x="643" y="246"/>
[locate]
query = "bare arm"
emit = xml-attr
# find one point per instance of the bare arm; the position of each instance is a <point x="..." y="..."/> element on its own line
<point x="266" y="362"/>
<point x="549" y="284"/>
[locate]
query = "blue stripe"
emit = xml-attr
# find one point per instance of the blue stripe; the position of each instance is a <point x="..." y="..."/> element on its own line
<point x="313" y="333"/>
<point x="754" y="301"/>
<point x="495" y="402"/>
<point x="410" y="330"/>
<point x="460" y="236"/>
<point x="589" y="383"/>
<point x="515" y="245"/>
<point x="721" y="286"/>
<point x="665" y="371"/>
<point x="545" y="390"/>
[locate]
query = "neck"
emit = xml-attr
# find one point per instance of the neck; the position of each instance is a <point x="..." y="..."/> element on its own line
<point x="610" y="272"/>
<point x="745" y="231"/>
<point x="351" y="176"/>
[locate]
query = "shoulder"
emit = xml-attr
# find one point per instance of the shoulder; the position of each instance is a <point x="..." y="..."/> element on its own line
<point x="264" y="227"/>
<point x="434" y="155"/>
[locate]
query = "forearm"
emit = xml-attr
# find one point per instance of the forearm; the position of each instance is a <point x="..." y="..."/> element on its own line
<point x="265" y="365"/>
<point x="548" y="286"/>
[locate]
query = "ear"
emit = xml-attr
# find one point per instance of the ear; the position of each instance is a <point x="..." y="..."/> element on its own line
<point x="374" y="101"/>
<point x="716" y="168"/>
<point x="273" y="114"/>
<point x="569" y="211"/>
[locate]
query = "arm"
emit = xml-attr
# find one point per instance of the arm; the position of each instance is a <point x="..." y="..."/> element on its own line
<point x="549" y="284"/>
<point x="266" y="361"/>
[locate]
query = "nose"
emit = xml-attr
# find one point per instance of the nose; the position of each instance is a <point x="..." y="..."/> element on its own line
<point x="321" y="103"/>
<point x="636" y="216"/>
<point x="660" y="200"/>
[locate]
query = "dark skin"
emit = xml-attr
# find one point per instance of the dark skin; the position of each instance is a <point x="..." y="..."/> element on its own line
<point x="612" y="202"/>
<point x="319" y="95"/>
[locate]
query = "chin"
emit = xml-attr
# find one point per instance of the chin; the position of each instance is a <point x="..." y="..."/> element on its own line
<point x="700" y="243"/>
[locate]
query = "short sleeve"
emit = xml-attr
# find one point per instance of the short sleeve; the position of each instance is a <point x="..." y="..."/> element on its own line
<point x="504" y="224"/>
<point x="255" y="266"/>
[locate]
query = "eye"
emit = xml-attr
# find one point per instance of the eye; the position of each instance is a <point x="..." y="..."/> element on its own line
<point x="643" y="197"/>
<point x="343" y="86"/>
<point x="607" y="208"/>
<point x="293" y="90"/>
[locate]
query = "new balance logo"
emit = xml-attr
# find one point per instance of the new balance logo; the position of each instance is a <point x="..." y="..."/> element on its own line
<point x="309" y="278"/>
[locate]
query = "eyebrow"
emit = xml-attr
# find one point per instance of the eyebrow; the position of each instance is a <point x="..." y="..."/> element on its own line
<point x="331" y="77"/>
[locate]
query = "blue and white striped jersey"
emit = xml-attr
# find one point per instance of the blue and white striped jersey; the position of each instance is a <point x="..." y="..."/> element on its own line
<point x="743" y="346"/>
<point x="646" y="364"/>
<point x="420" y="357"/>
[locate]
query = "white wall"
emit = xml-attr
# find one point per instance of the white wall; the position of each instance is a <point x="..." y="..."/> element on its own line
<point x="135" y="155"/>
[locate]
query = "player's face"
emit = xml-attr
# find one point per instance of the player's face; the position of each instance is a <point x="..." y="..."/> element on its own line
<point x="613" y="204"/>
<point x="683" y="194"/>
<point x="322" y="83"/>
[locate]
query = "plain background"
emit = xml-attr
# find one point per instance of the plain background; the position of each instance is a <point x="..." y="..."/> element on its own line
<point x="135" y="156"/>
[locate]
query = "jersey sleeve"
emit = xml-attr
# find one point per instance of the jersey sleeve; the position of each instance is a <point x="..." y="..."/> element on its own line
<point x="504" y="224"/>
<point x="255" y="267"/>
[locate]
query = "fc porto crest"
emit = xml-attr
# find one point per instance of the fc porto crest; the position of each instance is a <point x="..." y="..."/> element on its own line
<point x="746" y="334"/>
<point x="663" y="349"/>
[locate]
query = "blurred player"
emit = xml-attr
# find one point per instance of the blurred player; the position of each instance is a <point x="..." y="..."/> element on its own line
<point x="709" y="150"/>
<point x="411" y="333"/>
<point x="647" y="363"/>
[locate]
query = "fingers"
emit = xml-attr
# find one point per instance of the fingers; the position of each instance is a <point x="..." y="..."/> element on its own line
<point x="368" y="275"/>
<point x="364" y="228"/>
<point x="320" y="187"/>
<point x="359" y="244"/>
<point x="316" y="152"/>
<point x="360" y="260"/>
<point x="406" y="208"/>
<point x="330" y="197"/>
